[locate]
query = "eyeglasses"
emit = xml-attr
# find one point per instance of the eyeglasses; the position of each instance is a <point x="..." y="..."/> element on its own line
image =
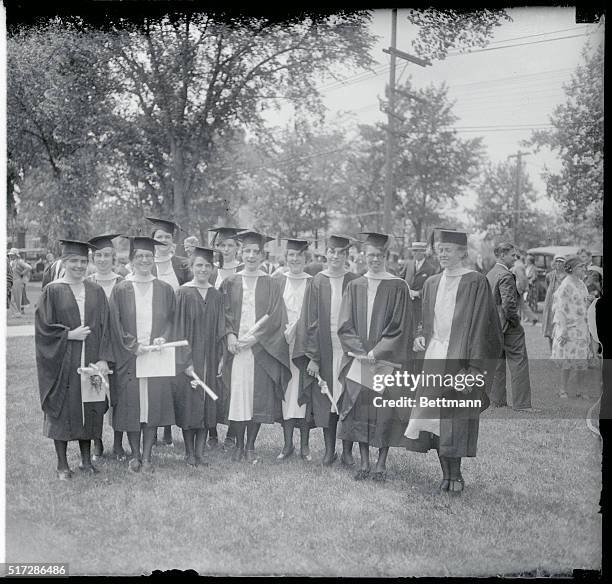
<point x="375" y="256"/>
<point x="102" y="255"/>
<point x="143" y="256"/>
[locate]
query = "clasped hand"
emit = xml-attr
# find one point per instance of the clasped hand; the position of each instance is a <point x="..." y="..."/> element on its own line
<point x="419" y="344"/>
<point x="235" y="346"/>
<point x="158" y="342"/>
<point x="79" y="334"/>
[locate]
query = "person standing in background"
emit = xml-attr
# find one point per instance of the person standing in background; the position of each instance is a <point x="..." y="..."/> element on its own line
<point x="553" y="281"/>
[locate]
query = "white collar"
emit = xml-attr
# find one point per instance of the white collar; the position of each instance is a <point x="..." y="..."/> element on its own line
<point x="140" y="279"/>
<point x="503" y="266"/>
<point x="459" y="271"/>
<point x="327" y="273"/>
<point x="194" y="284"/>
<point x="255" y="275"/>
<point x="230" y="266"/>
<point x="159" y="260"/>
<point x="106" y="277"/>
<point x="381" y="276"/>
<point x="301" y="276"/>
<point x="64" y="280"/>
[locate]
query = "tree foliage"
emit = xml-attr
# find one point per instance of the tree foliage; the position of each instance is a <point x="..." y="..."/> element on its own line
<point x="494" y="211"/>
<point x="441" y="30"/>
<point x="578" y="138"/>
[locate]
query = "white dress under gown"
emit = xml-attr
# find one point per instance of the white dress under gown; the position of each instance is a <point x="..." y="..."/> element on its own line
<point x="335" y="283"/>
<point x="424" y="419"/>
<point x="243" y="365"/>
<point x="293" y="297"/>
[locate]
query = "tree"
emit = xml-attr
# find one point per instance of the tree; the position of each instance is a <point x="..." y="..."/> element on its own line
<point x="443" y="29"/>
<point x="299" y="180"/>
<point x="578" y="138"/>
<point x="433" y="165"/>
<point x="193" y="80"/>
<point x="57" y="112"/>
<point x="494" y="210"/>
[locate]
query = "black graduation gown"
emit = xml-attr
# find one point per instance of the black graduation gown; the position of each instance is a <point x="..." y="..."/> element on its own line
<point x="271" y="352"/>
<point x="475" y="344"/>
<point x="181" y="268"/>
<point x="57" y="359"/>
<point x="299" y="357"/>
<point x="389" y="338"/>
<point x="126" y="409"/>
<point x="201" y="322"/>
<point x="318" y="344"/>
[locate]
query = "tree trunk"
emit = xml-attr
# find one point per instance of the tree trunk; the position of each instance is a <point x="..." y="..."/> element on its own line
<point x="178" y="189"/>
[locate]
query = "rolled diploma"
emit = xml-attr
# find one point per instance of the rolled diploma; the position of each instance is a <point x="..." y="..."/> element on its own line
<point x="197" y="381"/>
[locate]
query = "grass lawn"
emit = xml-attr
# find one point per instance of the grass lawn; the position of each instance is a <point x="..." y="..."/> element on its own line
<point x="531" y="502"/>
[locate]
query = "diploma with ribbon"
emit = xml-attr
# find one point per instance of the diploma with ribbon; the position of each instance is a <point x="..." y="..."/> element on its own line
<point x="158" y="360"/>
<point x="197" y="382"/>
<point x="94" y="386"/>
<point x="362" y="371"/>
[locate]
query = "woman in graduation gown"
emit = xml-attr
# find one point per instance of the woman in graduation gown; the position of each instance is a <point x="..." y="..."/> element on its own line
<point x="226" y="245"/>
<point x="375" y="325"/>
<point x="293" y="286"/>
<point x="462" y="335"/>
<point x="256" y="368"/>
<point x="72" y="331"/>
<point x="323" y="347"/>
<point x="142" y="314"/>
<point x="169" y="268"/>
<point x="103" y="258"/>
<point x="200" y="320"/>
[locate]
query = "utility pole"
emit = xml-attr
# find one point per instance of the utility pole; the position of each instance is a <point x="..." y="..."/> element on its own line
<point x="517" y="195"/>
<point x="391" y="119"/>
<point x="389" y="186"/>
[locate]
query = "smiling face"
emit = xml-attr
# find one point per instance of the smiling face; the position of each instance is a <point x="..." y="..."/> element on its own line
<point x="375" y="259"/>
<point x="103" y="260"/>
<point x="251" y="256"/>
<point x="163" y="237"/>
<point x="228" y="249"/>
<point x="296" y="261"/>
<point x="142" y="262"/>
<point x="450" y="255"/>
<point x="336" y="258"/>
<point x="75" y="266"/>
<point x="201" y="270"/>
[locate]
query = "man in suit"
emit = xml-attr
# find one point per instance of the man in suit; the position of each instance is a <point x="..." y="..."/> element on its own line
<point x="415" y="276"/>
<point x="506" y="296"/>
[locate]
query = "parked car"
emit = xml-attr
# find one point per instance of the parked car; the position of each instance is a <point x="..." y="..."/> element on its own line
<point x="543" y="259"/>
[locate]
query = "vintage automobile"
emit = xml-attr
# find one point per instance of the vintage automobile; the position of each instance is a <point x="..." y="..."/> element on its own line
<point x="544" y="256"/>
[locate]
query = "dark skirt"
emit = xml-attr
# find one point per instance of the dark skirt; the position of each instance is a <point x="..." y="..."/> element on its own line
<point x="191" y="407"/>
<point x="66" y="427"/>
<point x="380" y="427"/>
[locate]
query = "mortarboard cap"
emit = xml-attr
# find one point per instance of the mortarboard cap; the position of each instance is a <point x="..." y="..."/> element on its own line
<point x="296" y="244"/>
<point x="418" y="246"/>
<point x="163" y="224"/>
<point x="338" y="242"/>
<point x="72" y="247"/>
<point x="222" y="233"/>
<point x="452" y="236"/>
<point x="102" y="241"/>
<point x="144" y="243"/>
<point x="205" y="253"/>
<point x="379" y="240"/>
<point x="249" y="236"/>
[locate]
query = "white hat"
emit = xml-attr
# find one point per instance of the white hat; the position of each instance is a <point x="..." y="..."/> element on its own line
<point x="13" y="251"/>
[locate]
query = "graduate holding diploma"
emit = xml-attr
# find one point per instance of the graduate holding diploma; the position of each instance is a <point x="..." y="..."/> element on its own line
<point x="323" y="346"/>
<point x="142" y="315"/>
<point x="374" y="326"/>
<point x="256" y="367"/>
<point x="72" y="332"/>
<point x="293" y="285"/>
<point x="200" y="320"/>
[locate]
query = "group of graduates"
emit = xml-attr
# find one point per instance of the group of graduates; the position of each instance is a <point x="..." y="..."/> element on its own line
<point x="269" y="349"/>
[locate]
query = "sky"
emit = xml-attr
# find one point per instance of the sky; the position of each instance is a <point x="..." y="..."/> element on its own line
<point x="502" y="93"/>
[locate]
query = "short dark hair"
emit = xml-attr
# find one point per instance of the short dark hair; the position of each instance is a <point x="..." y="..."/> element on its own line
<point x="503" y="248"/>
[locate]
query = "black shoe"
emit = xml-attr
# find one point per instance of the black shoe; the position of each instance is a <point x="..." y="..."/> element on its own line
<point x="64" y="475"/>
<point x="135" y="465"/>
<point x="456" y="487"/>
<point x="251" y="457"/>
<point x="362" y="475"/>
<point x="444" y="485"/>
<point x="190" y="460"/>
<point x="305" y="454"/>
<point x="238" y="454"/>
<point x="147" y="467"/>
<point x="344" y="462"/>
<point x="213" y="442"/>
<point x="88" y="469"/>
<point x="120" y="455"/>
<point x="380" y="476"/>
<point x="328" y="461"/>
